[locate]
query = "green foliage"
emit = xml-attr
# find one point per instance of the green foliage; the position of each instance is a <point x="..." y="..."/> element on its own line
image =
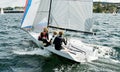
<point x="100" y="7"/>
<point x="8" y="8"/>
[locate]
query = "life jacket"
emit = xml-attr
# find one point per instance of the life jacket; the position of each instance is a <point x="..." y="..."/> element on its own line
<point x="44" y="35"/>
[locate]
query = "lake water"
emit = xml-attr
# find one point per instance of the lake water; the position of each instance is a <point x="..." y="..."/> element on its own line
<point x="18" y="53"/>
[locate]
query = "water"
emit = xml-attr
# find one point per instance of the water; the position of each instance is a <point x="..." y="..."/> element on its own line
<point x="18" y="53"/>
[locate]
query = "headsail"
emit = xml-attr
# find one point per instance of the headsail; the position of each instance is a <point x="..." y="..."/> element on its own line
<point x="36" y="13"/>
<point x="71" y="14"/>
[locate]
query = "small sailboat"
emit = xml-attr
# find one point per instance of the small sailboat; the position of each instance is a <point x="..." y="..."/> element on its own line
<point x="2" y="11"/>
<point x="67" y="15"/>
<point x="114" y="13"/>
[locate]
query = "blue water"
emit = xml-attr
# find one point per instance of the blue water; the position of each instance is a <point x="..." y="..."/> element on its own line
<point x="18" y="53"/>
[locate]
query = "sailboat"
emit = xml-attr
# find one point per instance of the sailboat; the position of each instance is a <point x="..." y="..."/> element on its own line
<point x="2" y="11"/>
<point x="114" y="13"/>
<point x="67" y="15"/>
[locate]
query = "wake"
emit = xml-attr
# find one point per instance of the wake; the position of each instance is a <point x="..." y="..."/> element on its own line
<point x="34" y="51"/>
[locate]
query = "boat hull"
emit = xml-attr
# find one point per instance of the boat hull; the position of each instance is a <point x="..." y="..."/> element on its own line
<point x="75" y="50"/>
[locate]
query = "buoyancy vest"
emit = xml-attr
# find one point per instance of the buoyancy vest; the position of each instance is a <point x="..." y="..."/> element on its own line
<point x="44" y="35"/>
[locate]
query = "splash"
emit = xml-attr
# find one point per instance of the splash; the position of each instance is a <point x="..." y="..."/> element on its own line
<point x="34" y="51"/>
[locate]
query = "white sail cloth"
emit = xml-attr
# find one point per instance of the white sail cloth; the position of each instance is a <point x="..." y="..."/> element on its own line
<point x="72" y="14"/>
<point x="35" y="13"/>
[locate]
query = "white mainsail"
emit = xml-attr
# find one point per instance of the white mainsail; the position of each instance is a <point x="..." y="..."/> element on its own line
<point x="72" y="14"/>
<point x="68" y="14"/>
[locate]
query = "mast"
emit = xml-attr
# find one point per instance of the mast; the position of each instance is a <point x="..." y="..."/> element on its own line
<point x="49" y="12"/>
<point x="76" y="15"/>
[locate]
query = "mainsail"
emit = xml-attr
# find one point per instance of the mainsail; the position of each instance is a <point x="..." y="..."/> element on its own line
<point x="36" y="14"/>
<point x="71" y="14"/>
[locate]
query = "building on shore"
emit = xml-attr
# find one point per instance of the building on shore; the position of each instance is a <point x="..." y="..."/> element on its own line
<point x="13" y="10"/>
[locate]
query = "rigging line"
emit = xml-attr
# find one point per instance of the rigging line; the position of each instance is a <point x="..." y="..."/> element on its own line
<point x="51" y="16"/>
<point x="78" y="49"/>
<point x="68" y="14"/>
<point x="54" y="20"/>
<point x="49" y="12"/>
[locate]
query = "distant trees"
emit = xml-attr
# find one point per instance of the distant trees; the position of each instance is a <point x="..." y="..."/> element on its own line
<point x="17" y="7"/>
<point x="100" y="7"/>
<point x="8" y="8"/>
<point x="11" y="8"/>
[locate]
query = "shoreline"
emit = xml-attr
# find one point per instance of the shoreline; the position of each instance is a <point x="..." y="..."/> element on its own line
<point x="13" y="11"/>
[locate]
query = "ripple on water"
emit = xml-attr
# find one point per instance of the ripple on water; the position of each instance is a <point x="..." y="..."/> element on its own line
<point x="16" y="54"/>
<point x="4" y="32"/>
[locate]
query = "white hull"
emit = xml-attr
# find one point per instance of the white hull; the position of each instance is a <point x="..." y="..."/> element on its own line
<point x="76" y="50"/>
<point x="114" y="14"/>
<point x="2" y="12"/>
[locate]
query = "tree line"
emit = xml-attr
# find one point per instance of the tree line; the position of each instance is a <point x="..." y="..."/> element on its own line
<point x="98" y="7"/>
<point x="104" y="7"/>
